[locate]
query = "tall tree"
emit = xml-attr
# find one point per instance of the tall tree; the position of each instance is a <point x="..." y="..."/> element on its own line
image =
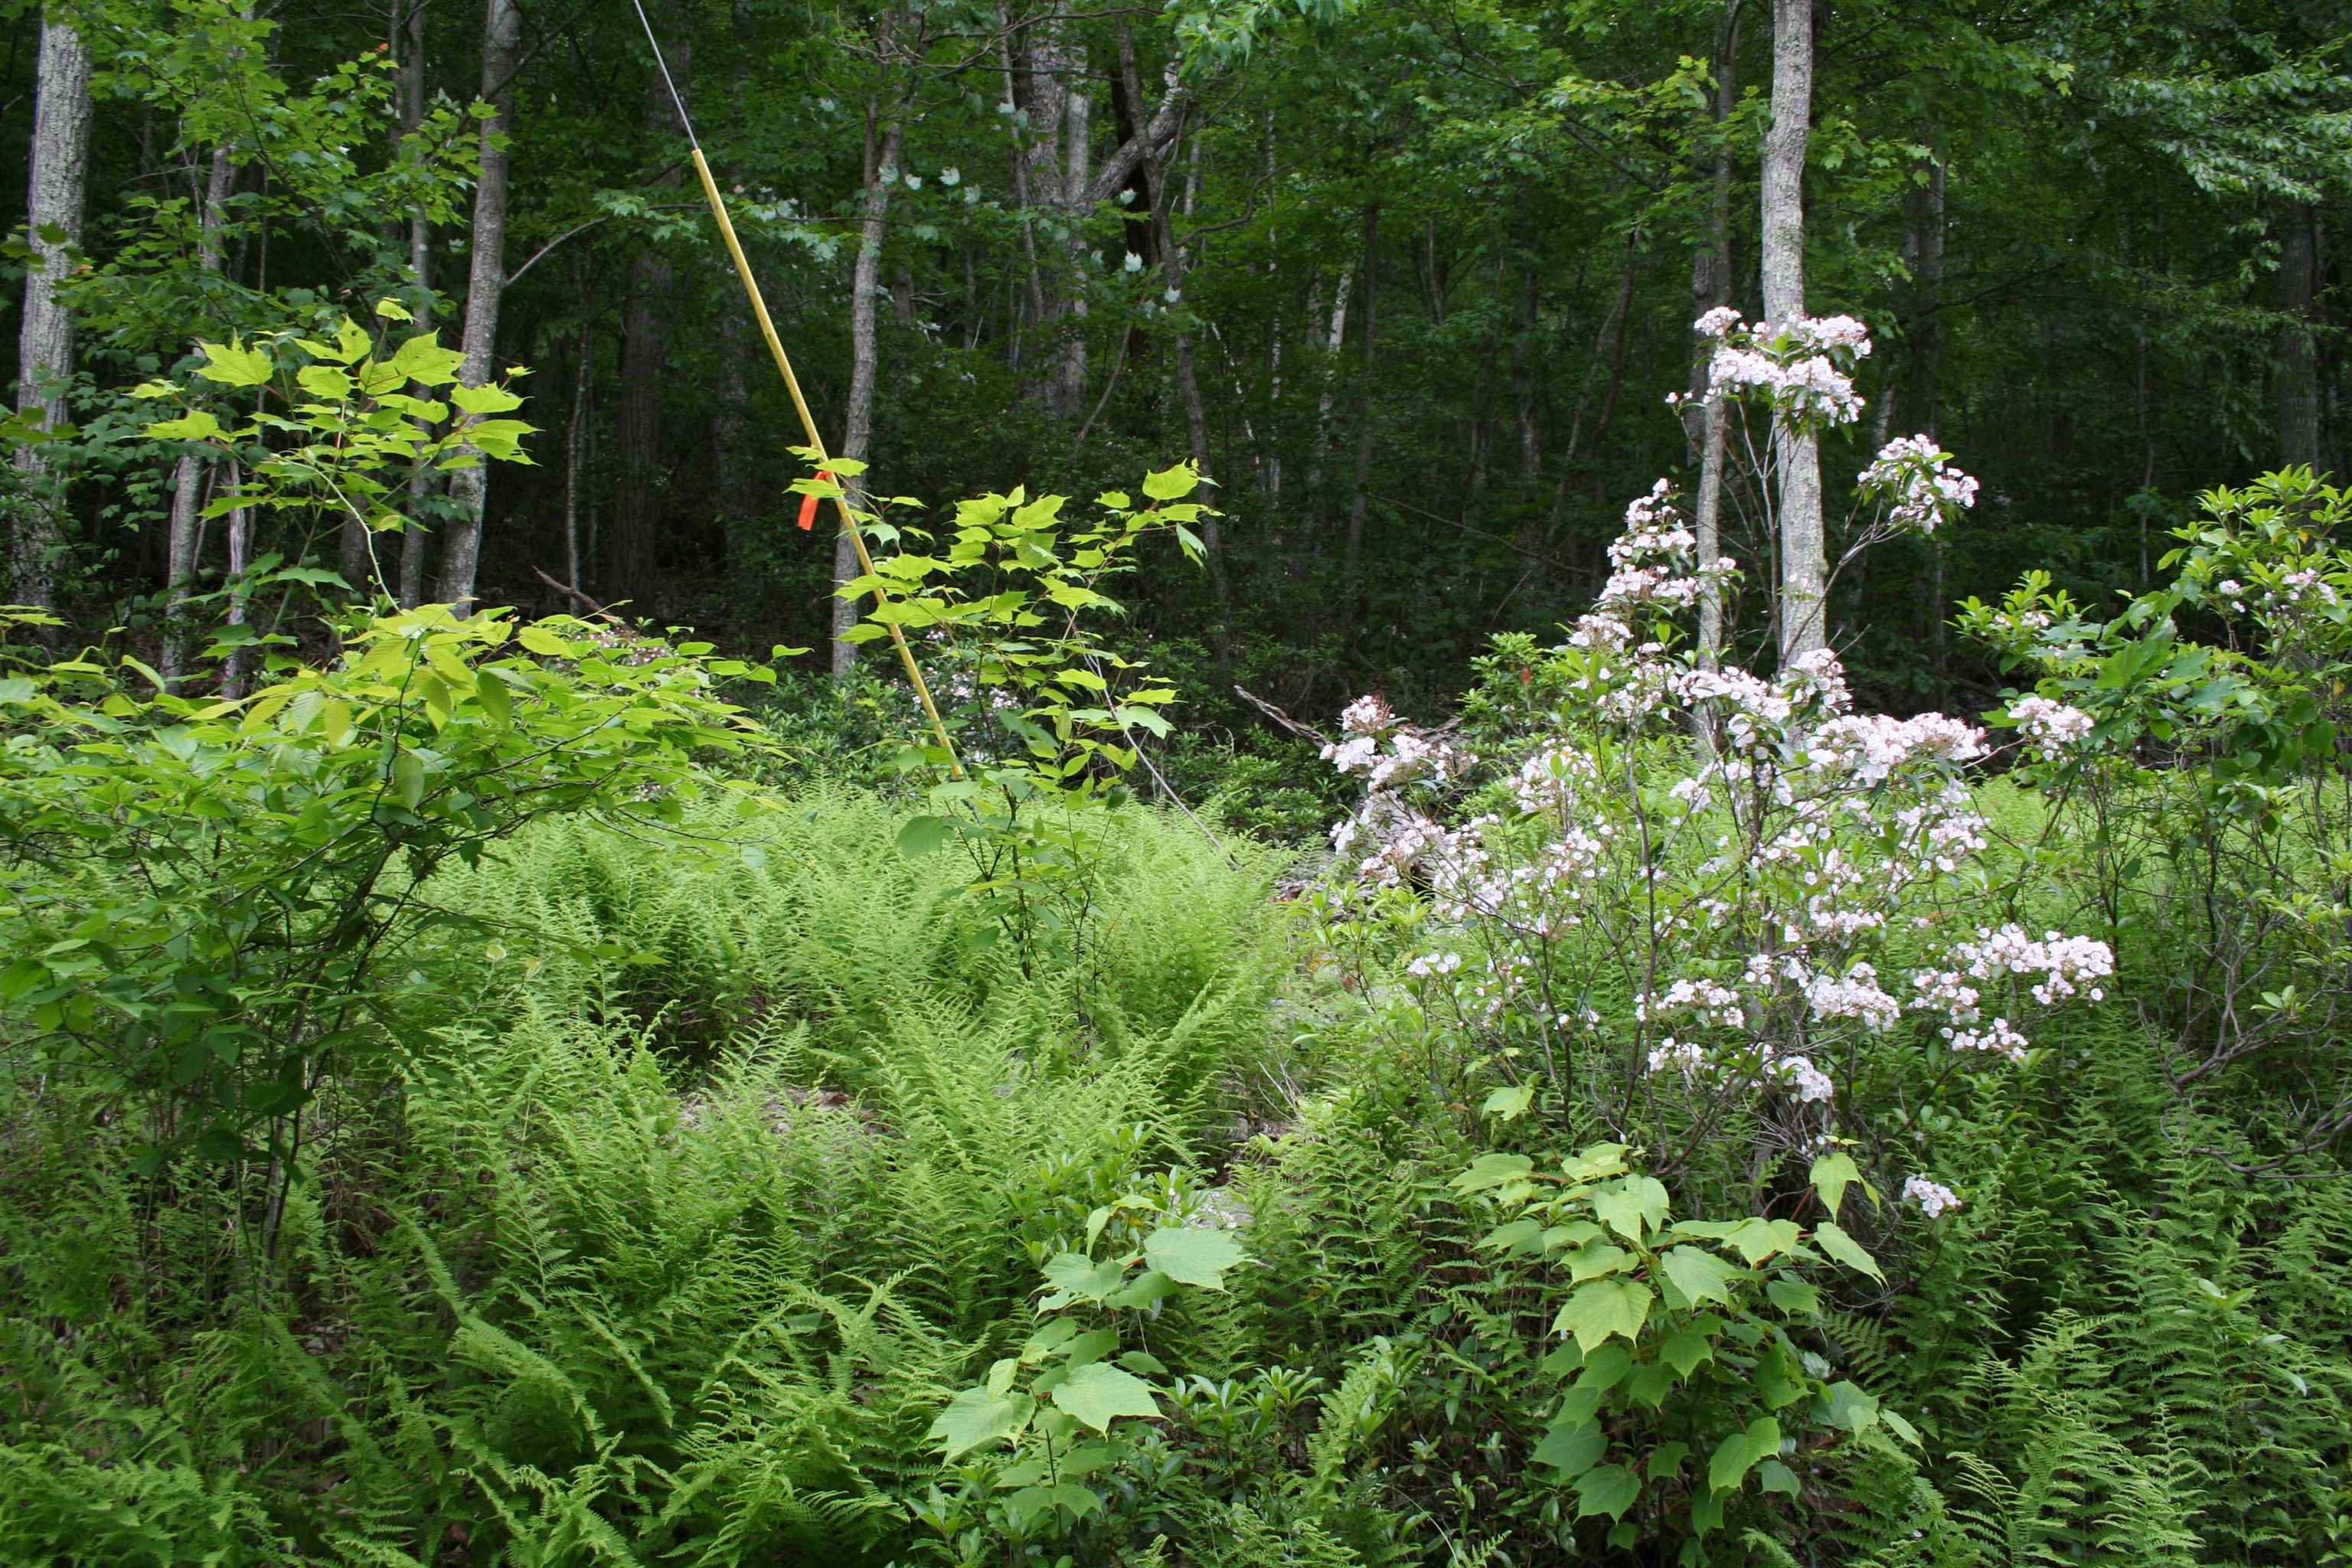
<point x="44" y="362"/>
<point x="1796" y="454"/>
<point x="885" y="140"/>
<point x="485" y="286"/>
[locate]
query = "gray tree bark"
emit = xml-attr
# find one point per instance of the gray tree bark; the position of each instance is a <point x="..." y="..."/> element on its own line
<point x="184" y="543"/>
<point x="416" y="539"/>
<point x="2298" y="354"/>
<point x="1708" y="423"/>
<point x="60" y="169"/>
<point x="485" y="288"/>
<point x="1352" y="559"/>
<point x="1796" y="454"/>
<point x="864" y="356"/>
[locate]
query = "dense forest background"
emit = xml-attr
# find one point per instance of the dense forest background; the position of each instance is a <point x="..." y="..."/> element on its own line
<point x="1411" y="282"/>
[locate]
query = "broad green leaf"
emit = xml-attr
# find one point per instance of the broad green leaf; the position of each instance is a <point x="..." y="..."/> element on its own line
<point x="196" y="425"/>
<point x="1602" y="1309"/>
<point x="1101" y="1394"/>
<point x="492" y="693"/>
<point x="1606" y="1490"/>
<point x="1171" y="484"/>
<point x="1699" y="1274"/>
<point x="1831" y="1174"/>
<point x="1685" y="1351"/>
<point x="1511" y="1102"/>
<point x="422" y="359"/>
<point x="1630" y="1203"/>
<point x="1192" y="1255"/>
<point x="1493" y="1171"/>
<point x="1572" y="1447"/>
<point x="234" y="365"/>
<point x="1834" y="1241"/>
<point x="488" y="398"/>
<point x="1847" y="1405"/>
<point x="1742" y="1452"/>
<point x="923" y="834"/>
<point x="975" y="1417"/>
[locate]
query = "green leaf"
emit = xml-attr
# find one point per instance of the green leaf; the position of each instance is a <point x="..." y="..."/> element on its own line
<point x="1624" y="1205"/>
<point x="1834" y="1241"/>
<point x="234" y="365"/>
<point x="422" y="359"/>
<point x="1572" y="1448"/>
<point x="1699" y="1274"/>
<point x="924" y="835"/>
<point x="1510" y="1103"/>
<point x="408" y="779"/>
<point x="1740" y="1452"/>
<point x="1849" y="1405"/>
<point x="1685" y="1351"/>
<point x="1493" y="1171"/>
<point x="1101" y="1394"/>
<point x="1171" y="484"/>
<point x="1602" y="1309"/>
<point x="1831" y="1174"/>
<point x="488" y="399"/>
<point x="492" y="693"/>
<point x="1609" y="1488"/>
<point x="1191" y="1255"/>
<point x="975" y="1417"/>
<point x="198" y="425"/>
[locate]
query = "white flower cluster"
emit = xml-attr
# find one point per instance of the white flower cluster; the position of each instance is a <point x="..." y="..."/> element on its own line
<point x="1803" y="365"/>
<point x="1917" y="480"/>
<point x="2052" y="727"/>
<point x="1854" y="994"/>
<point x="2063" y="963"/>
<point x="1430" y="965"/>
<point x="1871" y="747"/>
<point x="1933" y="1197"/>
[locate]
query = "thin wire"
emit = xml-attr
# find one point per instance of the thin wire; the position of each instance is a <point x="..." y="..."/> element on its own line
<point x="685" y="120"/>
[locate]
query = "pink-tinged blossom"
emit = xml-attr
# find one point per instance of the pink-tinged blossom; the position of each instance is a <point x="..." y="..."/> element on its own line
<point x="1933" y="1197"/>
<point x="2052" y="727"/>
<point x="1430" y="965"/>
<point x="1716" y="324"/>
<point x="1921" y="487"/>
<point x="1688" y="1056"/>
<point x="1807" y="1082"/>
<point x="1367" y="715"/>
<point x="2000" y="1036"/>
<point x="1871" y="747"/>
<point x="2065" y="963"/>
<point x="1854" y="994"/>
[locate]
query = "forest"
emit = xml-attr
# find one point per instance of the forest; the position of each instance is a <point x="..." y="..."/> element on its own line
<point x="1254" y="783"/>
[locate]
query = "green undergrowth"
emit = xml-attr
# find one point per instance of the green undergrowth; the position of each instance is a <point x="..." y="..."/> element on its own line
<point x="741" y="1155"/>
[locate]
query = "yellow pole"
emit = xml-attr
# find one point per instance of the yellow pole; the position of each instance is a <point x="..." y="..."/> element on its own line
<point x="816" y="443"/>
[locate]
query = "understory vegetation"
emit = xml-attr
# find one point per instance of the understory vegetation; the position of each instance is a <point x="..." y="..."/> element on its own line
<point x="483" y="1101"/>
<point x="1313" y="967"/>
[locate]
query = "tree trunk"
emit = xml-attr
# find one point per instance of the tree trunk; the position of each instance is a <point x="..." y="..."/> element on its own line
<point x="1796" y="454"/>
<point x="44" y="362"/>
<point x="1926" y="336"/>
<point x="484" y="286"/>
<point x="1067" y="396"/>
<point x="184" y="546"/>
<point x="2298" y="354"/>
<point x="864" y="356"/>
<point x="240" y="597"/>
<point x="1709" y="422"/>
<point x="644" y="357"/>
<point x="1172" y="263"/>
<point x="416" y="538"/>
<point x="731" y="467"/>
<point x="1352" y="561"/>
